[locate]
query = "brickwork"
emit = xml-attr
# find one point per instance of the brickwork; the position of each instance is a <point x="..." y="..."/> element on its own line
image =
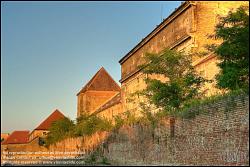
<point x="79" y="146"/>
<point x="219" y="137"/>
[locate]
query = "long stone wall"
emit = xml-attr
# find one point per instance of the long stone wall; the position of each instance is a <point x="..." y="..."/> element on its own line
<point x="218" y="136"/>
<point x="33" y="153"/>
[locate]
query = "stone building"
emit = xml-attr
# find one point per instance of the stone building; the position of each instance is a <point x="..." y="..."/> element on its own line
<point x="186" y="29"/>
<point x="111" y="108"/>
<point x="42" y="129"/>
<point x="98" y="91"/>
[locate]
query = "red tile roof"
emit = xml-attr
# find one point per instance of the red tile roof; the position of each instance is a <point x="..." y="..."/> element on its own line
<point x="101" y="81"/>
<point x="17" y="137"/>
<point x="45" y="125"/>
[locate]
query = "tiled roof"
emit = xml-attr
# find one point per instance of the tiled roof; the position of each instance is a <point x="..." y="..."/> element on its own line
<point x="17" y="137"/>
<point x="45" y="125"/>
<point x="101" y="81"/>
<point x="113" y="101"/>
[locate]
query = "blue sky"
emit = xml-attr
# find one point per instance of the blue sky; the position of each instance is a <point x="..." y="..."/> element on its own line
<point x="49" y="50"/>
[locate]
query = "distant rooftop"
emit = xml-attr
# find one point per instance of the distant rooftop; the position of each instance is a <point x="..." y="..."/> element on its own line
<point x="45" y="125"/>
<point x="17" y="137"/>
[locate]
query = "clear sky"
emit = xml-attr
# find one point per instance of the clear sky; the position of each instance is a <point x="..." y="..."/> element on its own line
<point x="49" y="51"/>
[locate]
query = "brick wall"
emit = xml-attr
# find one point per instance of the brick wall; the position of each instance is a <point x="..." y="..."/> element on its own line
<point x="218" y="137"/>
<point x="33" y="152"/>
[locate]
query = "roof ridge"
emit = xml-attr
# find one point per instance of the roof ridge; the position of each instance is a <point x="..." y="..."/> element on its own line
<point x="111" y="77"/>
<point x="17" y="137"/>
<point x="94" y="77"/>
<point x="20" y="131"/>
<point x="92" y="80"/>
<point x="48" y="119"/>
<point x="86" y="86"/>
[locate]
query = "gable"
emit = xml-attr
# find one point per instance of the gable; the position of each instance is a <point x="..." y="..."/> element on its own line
<point x="45" y="125"/>
<point x="101" y="81"/>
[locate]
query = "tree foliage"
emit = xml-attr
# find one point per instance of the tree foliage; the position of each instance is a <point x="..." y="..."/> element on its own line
<point x="85" y="125"/>
<point x="183" y="82"/>
<point x="88" y="125"/>
<point x="234" y="50"/>
<point x="59" y="130"/>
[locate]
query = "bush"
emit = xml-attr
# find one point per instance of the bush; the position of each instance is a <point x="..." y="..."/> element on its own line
<point x="59" y="130"/>
<point x="91" y="125"/>
<point x="85" y="125"/>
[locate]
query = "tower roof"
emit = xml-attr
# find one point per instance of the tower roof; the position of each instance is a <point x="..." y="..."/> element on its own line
<point x="45" y="125"/>
<point x="17" y="137"/>
<point x="101" y="81"/>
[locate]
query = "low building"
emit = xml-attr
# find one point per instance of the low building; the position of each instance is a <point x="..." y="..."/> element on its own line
<point x="43" y="128"/>
<point x="17" y="137"/>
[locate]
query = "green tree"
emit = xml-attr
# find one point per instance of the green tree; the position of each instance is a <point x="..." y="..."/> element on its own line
<point x="89" y="124"/>
<point x="59" y="130"/>
<point x="183" y="82"/>
<point x="85" y="125"/>
<point x="233" y="52"/>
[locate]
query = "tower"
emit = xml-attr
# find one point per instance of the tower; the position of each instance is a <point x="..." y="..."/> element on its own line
<point x="96" y="92"/>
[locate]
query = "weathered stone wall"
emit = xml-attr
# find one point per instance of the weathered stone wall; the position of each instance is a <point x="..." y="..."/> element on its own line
<point x="37" y="133"/>
<point x="219" y="136"/>
<point x="187" y="29"/>
<point x="175" y="29"/>
<point x="32" y="151"/>
<point x="111" y="112"/>
<point x="92" y="100"/>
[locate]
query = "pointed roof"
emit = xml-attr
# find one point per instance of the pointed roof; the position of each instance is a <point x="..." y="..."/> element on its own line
<point x="45" y="125"/>
<point x="101" y="81"/>
<point x="17" y="137"/>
